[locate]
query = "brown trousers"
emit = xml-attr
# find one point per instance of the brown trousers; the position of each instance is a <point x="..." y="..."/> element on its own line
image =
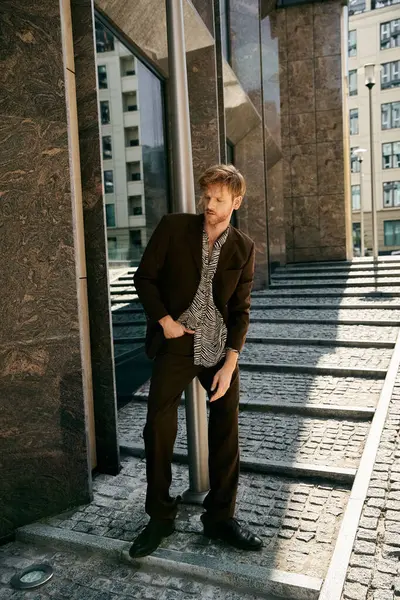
<point x="173" y="370"/>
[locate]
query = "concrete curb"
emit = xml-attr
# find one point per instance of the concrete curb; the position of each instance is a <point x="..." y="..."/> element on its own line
<point x="328" y="370"/>
<point x="336" y="575"/>
<point x="253" y="579"/>
<point x="254" y="465"/>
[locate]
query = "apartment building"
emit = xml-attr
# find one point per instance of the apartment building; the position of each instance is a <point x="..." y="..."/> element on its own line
<point x="118" y="73"/>
<point x="374" y="37"/>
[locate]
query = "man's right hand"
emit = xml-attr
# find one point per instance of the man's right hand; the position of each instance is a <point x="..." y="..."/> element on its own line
<point x="173" y="329"/>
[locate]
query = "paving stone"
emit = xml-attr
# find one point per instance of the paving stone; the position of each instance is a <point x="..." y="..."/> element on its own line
<point x="271" y="436"/>
<point x="367" y="358"/>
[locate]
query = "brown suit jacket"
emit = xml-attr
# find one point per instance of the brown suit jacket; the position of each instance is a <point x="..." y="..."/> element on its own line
<point x="169" y="274"/>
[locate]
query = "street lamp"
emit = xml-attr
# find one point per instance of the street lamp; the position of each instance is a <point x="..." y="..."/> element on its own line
<point x="369" y="70"/>
<point x="359" y="155"/>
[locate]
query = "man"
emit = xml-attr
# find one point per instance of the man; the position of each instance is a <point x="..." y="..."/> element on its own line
<point x="194" y="282"/>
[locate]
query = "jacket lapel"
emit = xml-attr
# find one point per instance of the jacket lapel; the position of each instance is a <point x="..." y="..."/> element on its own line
<point x="196" y="240"/>
<point x="227" y="252"/>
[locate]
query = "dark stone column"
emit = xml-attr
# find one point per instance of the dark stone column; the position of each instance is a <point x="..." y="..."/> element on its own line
<point x="105" y="410"/>
<point x="43" y="445"/>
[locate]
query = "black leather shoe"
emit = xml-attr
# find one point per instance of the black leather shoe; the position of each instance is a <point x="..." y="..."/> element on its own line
<point x="231" y="532"/>
<point x="151" y="537"/>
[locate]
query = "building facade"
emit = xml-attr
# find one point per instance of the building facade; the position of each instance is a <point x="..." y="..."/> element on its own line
<point x="374" y="37"/>
<point x="87" y="172"/>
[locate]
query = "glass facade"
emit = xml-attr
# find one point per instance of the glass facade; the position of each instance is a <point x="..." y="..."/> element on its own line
<point x="355" y="197"/>
<point x="391" y="231"/>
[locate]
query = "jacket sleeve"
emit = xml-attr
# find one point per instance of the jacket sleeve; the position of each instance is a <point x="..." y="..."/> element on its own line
<point x="239" y="306"/>
<point x="147" y="274"/>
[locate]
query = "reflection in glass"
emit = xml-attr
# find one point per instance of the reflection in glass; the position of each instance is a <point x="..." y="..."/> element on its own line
<point x="104" y="39"/>
<point x="110" y="215"/>
<point x="108" y="182"/>
<point x="105" y="112"/>
<point x="107" y="149"/>
<point x="102" y="74"/>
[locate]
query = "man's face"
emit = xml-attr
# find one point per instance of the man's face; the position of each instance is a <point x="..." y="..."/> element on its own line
<point x="219" y="204"/>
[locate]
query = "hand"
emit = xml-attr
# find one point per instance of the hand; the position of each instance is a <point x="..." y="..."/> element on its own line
<point x="173" y="329"/>
<point x="221" y="382"/>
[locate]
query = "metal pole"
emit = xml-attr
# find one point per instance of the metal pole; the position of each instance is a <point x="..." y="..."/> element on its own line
<point x="362" y="249"/>
<point x="196" y="410"/>
<point x="373" y="205"/>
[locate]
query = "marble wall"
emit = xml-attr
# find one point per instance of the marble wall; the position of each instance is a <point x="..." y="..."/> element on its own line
<point x="310" y="80"/>
<point x="43" y="441"/>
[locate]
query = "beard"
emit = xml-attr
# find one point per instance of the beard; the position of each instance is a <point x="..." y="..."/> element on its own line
<point x="214" y="219"/>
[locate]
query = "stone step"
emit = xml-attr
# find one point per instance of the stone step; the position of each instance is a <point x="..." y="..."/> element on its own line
<point x="317" y="302"/>
<point x="326" y="314"/>
<point x="302" y="389"/>
<point x="297" y="520"/>
<point x="370" y="293"/>
<point x="323" y="331"/>
<point x="271" y="438"/>
<point x="349" y="268"/>
<point x="382" y="260"/>
<point x="125" y="301"/>
<point x="334" y="322"/>
<point x="367" y="282"/>
<point x="366" y="358"/>
<point x="376" y="275"/>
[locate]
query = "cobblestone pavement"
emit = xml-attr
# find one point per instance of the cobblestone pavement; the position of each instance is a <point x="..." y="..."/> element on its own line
<point x="374" y="572"/>
<point x="302" y="388"/>
<point x="79" y="576"/>
<point x="367" y="314"/>
<point x="271" y="436"/>
<point x="297" y="521"/>
<point x="368" y="358"/>
<point x="319" y="331"/>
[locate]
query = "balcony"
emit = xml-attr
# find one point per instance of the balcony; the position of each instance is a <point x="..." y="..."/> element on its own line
<point x="135" y="188"/>
<point x="131" y="118"/>
<point x="133" y="153"/>
<point x="129" y="83"/>
<point x="137" y="221"/>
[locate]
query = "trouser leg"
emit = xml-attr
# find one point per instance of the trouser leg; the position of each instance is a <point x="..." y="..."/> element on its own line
<point x="223" y="442"/>
<point x="171" y="374"/>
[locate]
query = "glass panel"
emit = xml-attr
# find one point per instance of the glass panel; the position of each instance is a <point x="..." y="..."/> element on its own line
<point x="136" y="194"/>
<point x="385" y="112"/>
<point x="354" y="121"/>
<point x="355" y="197"/>
<point x="387" y="195"/>
<point x="110" y="215"/>
<point x="105" y="112"/>
<point x="356" y="6"/>
<point x="396" y="193"/>
<point x="107" y="150"/>
<point x="102" y="74"/>
<point x="388" y="233"/>
<point x="353" y="43"/>
<point x="395" y="114"/>
<point x="104" y="39"/>
<point x="353" y="82"/>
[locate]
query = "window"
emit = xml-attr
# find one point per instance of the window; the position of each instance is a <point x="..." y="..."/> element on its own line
<point x="390" y="34"/>
<point x="112" y="243"/>
<point x="104" y="38"/>
<point x="354" y="162"/>
<point x="135" y="237"/>
<point x="107" y="149"/>
<point x="382" y="3"/>
<point x="390" y="74"/>
<point x="105" y="112"/>
<point x="354" y="121"/>
<point x="353" y="82"/>
<point x="391" y="231"/>
<point x="135" y="206"/>
<point x="109" y="182"/>
<point x="390" y="115"/>
<point x="355" y="197"/>
<point x="102" y="74"/>
<point x="357" y="235"/>
<point x="356" y="6"/>
<point x="110" y="215"/>
<point x="391" y="155"/>
<point x="352" y="43"/>
<point x="391" y="194"/>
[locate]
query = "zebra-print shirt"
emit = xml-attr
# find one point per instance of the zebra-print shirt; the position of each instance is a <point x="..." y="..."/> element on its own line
<point x="202" y="315"/>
